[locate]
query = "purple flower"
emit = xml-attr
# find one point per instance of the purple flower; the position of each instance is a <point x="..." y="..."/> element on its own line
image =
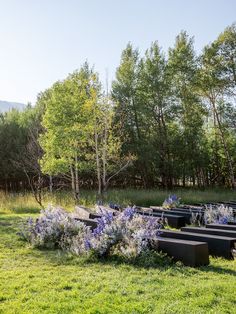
<point x="171" y="201"/>
<point x="106" y="219"/>
<point x="129" y="212"/>
<point x="223" y="220"/>
<point x="87" y="244"/>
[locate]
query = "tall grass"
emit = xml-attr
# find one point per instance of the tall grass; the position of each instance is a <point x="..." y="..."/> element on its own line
<point x="156" y="197"/>
<point x="25" y="202"/>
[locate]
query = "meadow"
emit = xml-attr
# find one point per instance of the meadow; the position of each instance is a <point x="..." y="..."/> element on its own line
<point x="25" y="202"/>
<point x="49" y="281"/>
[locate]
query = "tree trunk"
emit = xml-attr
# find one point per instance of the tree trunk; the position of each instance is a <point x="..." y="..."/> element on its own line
<point x="50" y="184"/>
<point x="98" y="163"/>
<point x="77" y="196"/>
<point x="104" y="157"/>
<point x="227" y="154"/>
<point x="73" y="181"/>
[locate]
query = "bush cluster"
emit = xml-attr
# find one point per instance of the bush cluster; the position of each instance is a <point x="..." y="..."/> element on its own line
<point x="219" y="214"/>
<point x="124" y="234"/>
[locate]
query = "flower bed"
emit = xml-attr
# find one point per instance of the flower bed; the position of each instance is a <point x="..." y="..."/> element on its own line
<point x="123" y="234"/>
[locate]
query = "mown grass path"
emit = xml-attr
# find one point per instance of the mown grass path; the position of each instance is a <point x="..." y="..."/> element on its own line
<point x="36" y="281"/>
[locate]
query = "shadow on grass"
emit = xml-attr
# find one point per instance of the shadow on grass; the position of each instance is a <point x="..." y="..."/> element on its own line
<point x="25" y="210"/>
<point x="4" y="213"/>
<point x="20" y="211"/>
<point x="9" y="225"/>
<point x="218" y="270"/>
<point x="162" y="261"/>
<point x="10" y="220"/>
<point x="149" y="260"/>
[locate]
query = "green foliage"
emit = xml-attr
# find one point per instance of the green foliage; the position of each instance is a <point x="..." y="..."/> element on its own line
<point x="172" y="116"/>
<point x="66" y="121"/>
<point x="15" y="127"/>
<point x="163" y="105"/>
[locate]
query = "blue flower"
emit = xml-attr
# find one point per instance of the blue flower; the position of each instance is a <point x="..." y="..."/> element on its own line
<point x="129" y="212"/>
<point x="87" y="244"/>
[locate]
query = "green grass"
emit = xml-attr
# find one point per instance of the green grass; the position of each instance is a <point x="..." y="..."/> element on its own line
<point x="25" y="202"/>
<point x="43" y="281"/>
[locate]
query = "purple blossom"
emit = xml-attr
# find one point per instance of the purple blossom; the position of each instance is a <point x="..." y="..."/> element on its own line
<point x="129" y="212"/>
<point x="125" y="233"/>
<point x="106" y="219"/>
<point x="171" y="201"/>
<point x="87" y="244"/>
<point x="218" y="214"/>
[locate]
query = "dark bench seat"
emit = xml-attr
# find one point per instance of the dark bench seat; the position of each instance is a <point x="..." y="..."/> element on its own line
<point x="88" y="222"/>
<point x="220" y="232"/>
<point x="186" y="215"/>
<point x="173" y="221"/>
<point x="188" y="210"/>
<point x="221" y="226"/>
<point x="217" y="245"/>
<point x="190" y="253"/>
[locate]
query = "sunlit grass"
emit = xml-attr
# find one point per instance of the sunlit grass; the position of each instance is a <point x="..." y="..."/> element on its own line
<point x="47" y="281"/>
<point x="25" y="202"/>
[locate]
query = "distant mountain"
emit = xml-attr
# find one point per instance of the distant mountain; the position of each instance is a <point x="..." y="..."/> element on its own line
<point x="7" y="105"/>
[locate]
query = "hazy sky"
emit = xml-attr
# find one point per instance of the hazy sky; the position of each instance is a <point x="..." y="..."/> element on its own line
<point x="42" y="41"/>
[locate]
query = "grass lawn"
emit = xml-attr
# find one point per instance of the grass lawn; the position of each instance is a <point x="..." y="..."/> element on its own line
<point x="37" y="281"/>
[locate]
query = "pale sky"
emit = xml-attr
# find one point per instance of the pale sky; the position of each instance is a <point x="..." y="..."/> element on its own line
<point x="41" y="41"/>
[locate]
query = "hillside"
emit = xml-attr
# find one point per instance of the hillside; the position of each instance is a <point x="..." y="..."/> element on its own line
<point x="6" y="105"/>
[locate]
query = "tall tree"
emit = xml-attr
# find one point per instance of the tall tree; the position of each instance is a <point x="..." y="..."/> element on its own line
<point x="107" y="145"/>
<point x="153" y="94"/>
<point x="217" y="82"/>
<point x="129" y="112"/>
<point x="182" y="75"/>
<point x="67" y="128"/>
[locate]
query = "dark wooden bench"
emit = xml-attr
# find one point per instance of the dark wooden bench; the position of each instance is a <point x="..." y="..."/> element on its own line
<point x="193" y="207"/>
<point x="87" y="213"/>
<point x="189" y="210"/>
<point x="173" y="221"/>
<point x="221" y="226"/>
<point x="217" y="245"/>
<point x="184" y="214"/>
<point x="190" y="253"/>
<point x="220" y="232"/>
<point x="94" y="216"/>
<point x="83" y="212"/>
<point x="88" y="222"/>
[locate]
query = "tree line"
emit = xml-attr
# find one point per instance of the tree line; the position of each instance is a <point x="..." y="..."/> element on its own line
<point x="168" y="120"/>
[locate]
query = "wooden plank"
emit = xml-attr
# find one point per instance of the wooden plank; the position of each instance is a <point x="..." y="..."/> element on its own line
<point x="94" y="216"/>
<point x="88" y="222"/>
<point x="220" y="232"/>
<point x="221" y="226"/>
<point x="173" y="221"/>
<point x="82" y="212"/>
<point x="86" y="213"/>
<point x="217" y="245"/>
<point x="184" y="214"/>
<point x="193" y="207"/>
<point x="189" y="210"/>
<point x="190" y="253"/>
